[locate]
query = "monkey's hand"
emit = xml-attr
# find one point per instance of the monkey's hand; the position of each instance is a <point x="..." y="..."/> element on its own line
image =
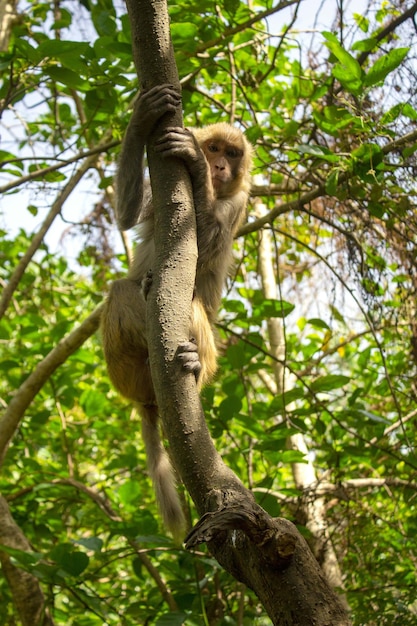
<point x="187" y="354"/>
<point x="181" y="143"/>
<point x="151" y="105"/>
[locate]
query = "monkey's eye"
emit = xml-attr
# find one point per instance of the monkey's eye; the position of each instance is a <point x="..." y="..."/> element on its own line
<point x="211" y="147"/>
<point x="234" y="153"/>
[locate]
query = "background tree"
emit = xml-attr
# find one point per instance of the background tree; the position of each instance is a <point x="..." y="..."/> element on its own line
<point x="333" y="118"/>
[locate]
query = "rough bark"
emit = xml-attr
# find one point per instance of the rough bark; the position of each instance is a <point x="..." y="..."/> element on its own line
<point x="26" y="591"/>
<point x="268" y="555"/>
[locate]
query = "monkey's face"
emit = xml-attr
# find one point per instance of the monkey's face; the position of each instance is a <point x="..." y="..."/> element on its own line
<point x="224" y="160"/>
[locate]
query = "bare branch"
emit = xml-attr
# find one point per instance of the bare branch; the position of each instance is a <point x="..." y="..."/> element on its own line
<point x="43" y="171"/>
<point x="40" y="234"/>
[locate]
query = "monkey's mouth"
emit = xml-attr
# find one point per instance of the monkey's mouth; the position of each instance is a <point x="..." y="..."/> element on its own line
<point x="219" y="181"/>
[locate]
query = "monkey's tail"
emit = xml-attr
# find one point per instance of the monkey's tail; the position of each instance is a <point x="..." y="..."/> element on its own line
<point x="162" y="473"/>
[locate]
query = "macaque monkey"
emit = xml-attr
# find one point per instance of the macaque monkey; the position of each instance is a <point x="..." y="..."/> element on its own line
<point x="218" y="159"/>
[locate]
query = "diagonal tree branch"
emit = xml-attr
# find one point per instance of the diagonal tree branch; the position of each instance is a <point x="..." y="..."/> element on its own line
<point x="10" y="420"/>
<point x="317" y="192"/>
<point x="388" y="29"/>
<point x="40" y="234"/>
<point x="43" y="171"/>
<point x="233" y="30"/>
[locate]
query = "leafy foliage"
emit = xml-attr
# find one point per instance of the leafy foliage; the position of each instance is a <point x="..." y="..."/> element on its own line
<point x="333" y="120"/>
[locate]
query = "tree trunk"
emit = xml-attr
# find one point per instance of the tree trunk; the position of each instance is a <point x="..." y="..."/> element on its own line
<point x="269" y="555"/>
<point x="313" y="508"/>
<point x="26" y="591"/>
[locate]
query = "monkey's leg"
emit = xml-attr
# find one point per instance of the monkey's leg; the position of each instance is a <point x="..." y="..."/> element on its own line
<point x="162" y="473"/>
<point x="124" y="341"/>
<point x="126" y="353"/>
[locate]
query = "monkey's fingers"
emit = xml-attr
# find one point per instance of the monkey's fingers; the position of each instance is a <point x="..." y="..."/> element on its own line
<point x="153" y="104"/>
<point x="146" y="283"/>
<point x="173" y="136"/>
<point x="159" y="95"/>
<point x="177" y="142"/>
<point x="187" y="354"/>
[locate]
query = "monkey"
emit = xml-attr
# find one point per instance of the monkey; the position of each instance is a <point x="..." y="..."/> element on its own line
<point x="218" y="158"/>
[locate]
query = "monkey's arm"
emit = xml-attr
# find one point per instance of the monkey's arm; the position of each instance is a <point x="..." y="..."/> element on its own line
<point x="181" y="143"/>
<point x="213" y="222"/>
<point x="149" y="107"/>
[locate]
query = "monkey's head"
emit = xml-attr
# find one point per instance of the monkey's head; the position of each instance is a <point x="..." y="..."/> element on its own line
<point x="229" y="156"/>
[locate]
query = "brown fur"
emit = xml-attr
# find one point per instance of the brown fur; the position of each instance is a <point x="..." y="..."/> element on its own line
<point x="219" y="159"/>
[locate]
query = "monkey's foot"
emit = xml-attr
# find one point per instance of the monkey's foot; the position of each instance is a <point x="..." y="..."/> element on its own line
<point x="187" y="354"/>
<point x="147" y="283"/>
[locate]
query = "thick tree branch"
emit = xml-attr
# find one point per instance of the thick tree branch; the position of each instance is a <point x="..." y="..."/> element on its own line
<point x="27" y="594"/>
<point x="268" y="555"/>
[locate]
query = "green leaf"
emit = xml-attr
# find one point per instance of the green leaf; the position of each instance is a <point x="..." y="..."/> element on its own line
<point x="91" y="543"/>
<point x="184" y="31"/>
<point x="293" y="456"/>
<point x="348" y="71"/>
<point x="318" y="323"/>
<point x="360" y="414"/>
<point x="129" y="492"/>
<point x="75" y="562"/>
<point x="172" y="619"/>
<point x="332" y="182"/>
<point x="229" y="407"/>
<point x="320" y="152"/>
<point x="336" y="314"/>
<point x="385" y="65"/>
<point x="26" y="559"/>
<point x="27" y="51"/>
<point x="93" y="402"/>
<point x="7" y="157"/>
<point x="69" y="53"/>
<point x="269" y="503"/>
<point x="137" y="566"/>
<point x="272" y="308"/>
<point x="66" y="77"/>
<point x="361" y="21"/>
<point x="284" y="399"/>
<point x="349" y="80"/>
<point x="365" y="45"/>
<point x="64" y="20"/>
<point x="329" y="382"/>
<point x="104" y="19"/>
<point x="365" y="160"/>
<point x="349" y="62"/>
